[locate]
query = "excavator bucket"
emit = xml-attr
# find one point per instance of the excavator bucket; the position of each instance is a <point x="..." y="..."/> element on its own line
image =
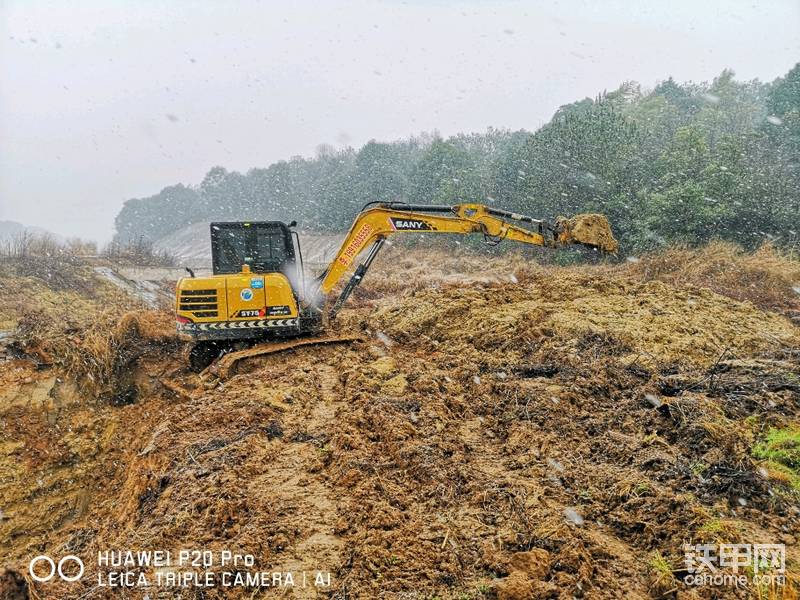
<point x="590" y="229"/>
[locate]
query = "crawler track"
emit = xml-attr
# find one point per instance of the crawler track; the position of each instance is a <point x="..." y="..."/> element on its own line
<point x="226" y="365"/>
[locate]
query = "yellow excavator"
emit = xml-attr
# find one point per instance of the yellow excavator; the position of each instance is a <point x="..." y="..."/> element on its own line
<point x="259" y="292"/>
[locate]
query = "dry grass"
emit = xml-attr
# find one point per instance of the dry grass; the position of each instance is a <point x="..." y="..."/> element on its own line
<point x="649" y="320"/>
<point x="102" y="354"/>
<point x="63" y="314"/>
<point x="769" y="278"/>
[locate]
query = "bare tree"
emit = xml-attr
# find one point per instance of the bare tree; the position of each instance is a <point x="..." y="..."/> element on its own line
<point x="139" y="251"/>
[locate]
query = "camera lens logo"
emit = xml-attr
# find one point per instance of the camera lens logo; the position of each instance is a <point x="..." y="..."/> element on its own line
<point x="69" y="558"/>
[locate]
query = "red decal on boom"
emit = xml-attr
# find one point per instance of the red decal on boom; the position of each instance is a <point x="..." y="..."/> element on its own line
<point x="352" y="248"/>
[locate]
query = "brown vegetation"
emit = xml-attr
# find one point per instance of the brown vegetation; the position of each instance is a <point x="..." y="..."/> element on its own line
<point x="768" y="278"/>
<point x="139" y="252"/>
<point x="27" y="244"/>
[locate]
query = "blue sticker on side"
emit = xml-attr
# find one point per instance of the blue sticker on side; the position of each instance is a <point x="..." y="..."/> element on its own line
<point x="256" y="284"/>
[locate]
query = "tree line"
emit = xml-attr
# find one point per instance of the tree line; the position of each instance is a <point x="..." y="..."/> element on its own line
<point x="681" y="163"/>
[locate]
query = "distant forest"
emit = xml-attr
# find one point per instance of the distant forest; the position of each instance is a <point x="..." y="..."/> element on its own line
<point x="682" y="163"/>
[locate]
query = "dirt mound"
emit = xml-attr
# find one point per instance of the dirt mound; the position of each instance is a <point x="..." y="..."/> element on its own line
<point x="767" y="278"/>
<point x="57" y="273"/>
<point x="100" y="356"/>
<point x="13" y="586"/>
<point x="648" y="321"/>
<point x="61" y="292"/>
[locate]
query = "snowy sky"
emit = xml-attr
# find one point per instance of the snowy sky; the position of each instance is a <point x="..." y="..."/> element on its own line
<point x="106" y="100"/>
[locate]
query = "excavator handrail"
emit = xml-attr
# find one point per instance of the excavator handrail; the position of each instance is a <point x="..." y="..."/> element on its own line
<point x="400" y="205"/>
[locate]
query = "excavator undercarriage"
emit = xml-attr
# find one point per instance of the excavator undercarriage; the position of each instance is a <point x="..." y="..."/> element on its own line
<point x="228" y="357"/>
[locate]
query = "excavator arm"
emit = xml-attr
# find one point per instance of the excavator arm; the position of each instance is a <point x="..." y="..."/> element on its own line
<point x="379" y="220"/>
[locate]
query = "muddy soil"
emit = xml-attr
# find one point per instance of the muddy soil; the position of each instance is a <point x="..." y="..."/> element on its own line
<point x="504" y="431"/>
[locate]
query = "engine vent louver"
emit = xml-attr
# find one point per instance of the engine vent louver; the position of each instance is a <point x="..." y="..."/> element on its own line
<point x="201" y="303"/>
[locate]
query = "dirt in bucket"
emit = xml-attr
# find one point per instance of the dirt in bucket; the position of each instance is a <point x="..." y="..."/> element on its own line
<point x="592" y="229"/>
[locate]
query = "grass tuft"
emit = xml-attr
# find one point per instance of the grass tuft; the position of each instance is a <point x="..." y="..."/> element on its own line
<point x="780" y="451"/>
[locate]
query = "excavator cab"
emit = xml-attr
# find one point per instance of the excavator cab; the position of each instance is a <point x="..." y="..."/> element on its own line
<point x="265" y="246"/>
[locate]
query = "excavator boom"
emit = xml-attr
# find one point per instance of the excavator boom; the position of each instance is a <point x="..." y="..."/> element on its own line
<point x="379" y="220"/>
